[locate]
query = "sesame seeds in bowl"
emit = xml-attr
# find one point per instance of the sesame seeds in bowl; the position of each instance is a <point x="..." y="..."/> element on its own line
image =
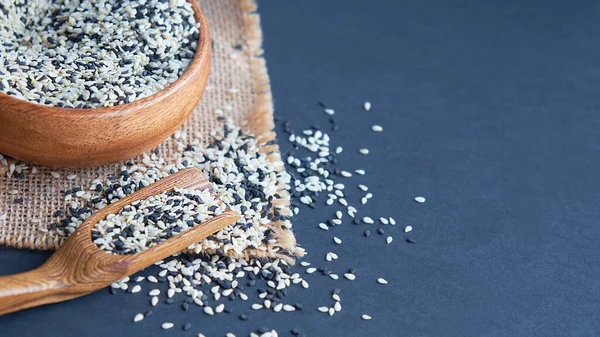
<point x="55" y="136"/>
<point x="90" y="54"/>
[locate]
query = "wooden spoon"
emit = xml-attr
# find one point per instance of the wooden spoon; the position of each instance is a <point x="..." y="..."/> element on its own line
<point x="79" y="267"/>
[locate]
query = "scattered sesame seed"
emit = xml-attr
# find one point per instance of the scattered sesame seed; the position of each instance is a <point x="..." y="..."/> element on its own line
<point x="420" y="200"/>
<point x="323" y="309"/>
<point x="138" y="317"/>
<point x="367" y="106"/>
<point x="382" y="281"/>
<point x="350" y="276"/>
<point x="330" y="112"/>
<point x="323" y="226"/>
<point x="367" y="220"/>
<point x="363" y="188"/>
<point x="167" y="325"/>
<point x="363" y="151"/>
<point x="407" y="229"/>
<point x="360" y="172"/>
<point x="389" y="240"/>
<point x="366" y="317"/>
<point x="337" y="240"/>
<point x="377" y="128"/>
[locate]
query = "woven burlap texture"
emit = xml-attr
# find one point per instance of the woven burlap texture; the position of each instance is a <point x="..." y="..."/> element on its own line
<point x="237" y="63"/>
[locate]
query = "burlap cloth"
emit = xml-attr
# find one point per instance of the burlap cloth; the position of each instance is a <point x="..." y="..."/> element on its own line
<point x="237" y="63"/>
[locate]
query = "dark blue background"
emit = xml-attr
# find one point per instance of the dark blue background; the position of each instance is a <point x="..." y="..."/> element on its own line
<point x="490" y="110"/>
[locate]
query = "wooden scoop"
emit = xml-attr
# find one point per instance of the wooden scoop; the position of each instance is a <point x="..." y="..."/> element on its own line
<point x="79" y="267"/>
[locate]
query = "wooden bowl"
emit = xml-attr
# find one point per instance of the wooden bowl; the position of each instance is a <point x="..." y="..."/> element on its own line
<point x="61" y="137"/>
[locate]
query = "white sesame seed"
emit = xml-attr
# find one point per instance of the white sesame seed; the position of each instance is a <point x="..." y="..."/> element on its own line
<point x="257" y="306"/>
<point x="152" y="279"/>
<point x="305" y="264"/>
<point x="311" y="270"/>
<point x="346" y="174"/>
<point x="55" y="175"/>
<point x="288" y="308"/>
<point x="366" y="317"/>
<point x="367" y="220"/>
<point x="138" y="317"/>
<point x="363" y="151"/>
<point x="367" y="106"/>
<point x="329" y="111"/>
<point x="350" y="276"/>
<point x="331" y="311"/>
<point x="420" y="200"/>
<point x="167" y="325"/>
<point x="219" y="308"/>
<point x="323" y="309"/>
<point x="360" y="172"/>
<point x="323" y="226"/>
<point x="384" y="221"/>
<point x="377" y="128"/>
<point x="363" y="188"/>
<point x="392" y="221"/>
<point x="71" y="176"/>
<point x="336" y="297"/>
<point x="382" y="281"/>
<point x="136" y="289"/>
<point x="333" y="276"/>
<point x="337" y="306"/>
<point x="407" y="229"/>
<point x="337" y="240"/>
<point x="389" y="240"/>
<point x="154" y="292"/>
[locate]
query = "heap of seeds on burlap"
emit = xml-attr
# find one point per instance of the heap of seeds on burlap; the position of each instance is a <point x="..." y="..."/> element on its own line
<point x="249" y="183"/>
<point x="87" y="54"/>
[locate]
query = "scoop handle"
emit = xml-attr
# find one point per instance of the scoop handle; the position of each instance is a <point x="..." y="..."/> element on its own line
<point x="33" y="288"/>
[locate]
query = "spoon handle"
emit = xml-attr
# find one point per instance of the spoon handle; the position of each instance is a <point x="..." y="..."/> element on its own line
<point x="33" y="288"/>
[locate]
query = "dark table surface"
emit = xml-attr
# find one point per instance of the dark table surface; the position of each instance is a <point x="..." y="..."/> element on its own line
<point x="490" y="111"/>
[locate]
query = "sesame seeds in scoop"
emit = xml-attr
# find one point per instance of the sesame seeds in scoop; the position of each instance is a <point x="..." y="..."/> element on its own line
<point x="88" y="54"/>
<point x="146" y="223"/>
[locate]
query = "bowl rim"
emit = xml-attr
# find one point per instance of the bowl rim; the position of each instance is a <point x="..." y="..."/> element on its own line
<point x="202" y="51"/>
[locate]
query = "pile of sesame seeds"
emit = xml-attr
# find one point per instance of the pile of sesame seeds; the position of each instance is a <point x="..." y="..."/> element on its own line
<point x="210" y="281"/>
<point x="148" y="222"/>
<point x="87" y="54"/>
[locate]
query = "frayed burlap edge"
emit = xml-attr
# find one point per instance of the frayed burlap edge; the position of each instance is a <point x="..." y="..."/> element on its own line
<point x="262" y="125"/>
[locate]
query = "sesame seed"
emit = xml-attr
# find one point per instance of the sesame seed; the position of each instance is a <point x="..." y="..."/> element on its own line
<point x="420" y="200"/>
<point x="55" y="175"/>
<point x="377" y="128"/>
<point x="136" y="289"/>
<point x="363" y="188"/>
<point x="337" y="240"/>
<point x="311" y="270"/>
<point x="392" y="221"/>
<point x="363" y="151"/>
<point x="384" y="221"/>
<point x="138" y="317"/>
<point x="330" y="112"/>
<point x="350" y="276"/>
<point x="346" y="174"/>
<point x="257" y="306"/>
<point x="154" y="292"/>
<point x="382" y="281"/>
<point x="360" y="172"/>
<point x="367" y="106"/>
<point x="367" y="220"/>
<point x="407" y="229"/>
<point x="167" y="325"/>
<point x="323" y="226"/>
<point x="366" y="317"/>
<point x="389" y="240"/>
<point x="323" y="309"/>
